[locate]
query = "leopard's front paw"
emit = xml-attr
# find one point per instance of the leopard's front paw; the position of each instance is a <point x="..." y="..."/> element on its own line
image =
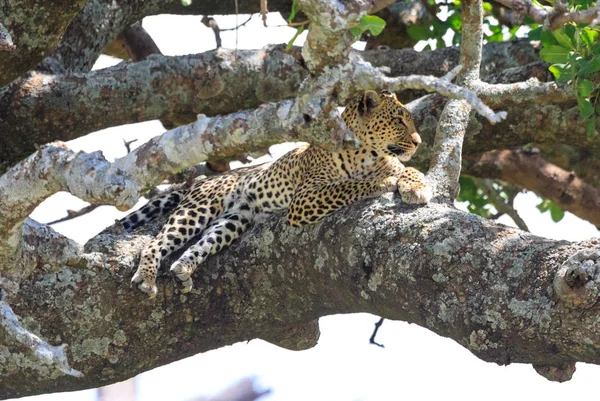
<point x="417" y="195"/>
<point x="147" y="282"/>
<point x="184" y="273"/>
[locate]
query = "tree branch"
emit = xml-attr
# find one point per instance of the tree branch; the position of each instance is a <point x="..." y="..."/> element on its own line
<point x="528" y="170"/>
<point x="447" y="146"/>
<point x="556" y="18"/>
<point x="31" y="39"/>
<point x="209" y="83"/>
<point x="502" y="206"/>
<point x="42" y="350"/>
<point x="463" y="280"/>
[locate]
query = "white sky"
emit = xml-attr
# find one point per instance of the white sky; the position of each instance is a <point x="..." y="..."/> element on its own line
<point x="415" y="363"/>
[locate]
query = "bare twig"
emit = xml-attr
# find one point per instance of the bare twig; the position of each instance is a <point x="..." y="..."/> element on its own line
<point x="43" y="351"/>
<point x="238" y="26"/>
<point x="372" y="339"/>
<point x="212" y="23"/>
<point x="501" y="205"/>
<point x="128" y="144"/>
<point x="72" y="214"/>
<point x="264" y="11"/>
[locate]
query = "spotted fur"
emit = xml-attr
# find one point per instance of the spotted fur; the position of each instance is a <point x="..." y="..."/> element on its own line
<point x="309" y="182"/>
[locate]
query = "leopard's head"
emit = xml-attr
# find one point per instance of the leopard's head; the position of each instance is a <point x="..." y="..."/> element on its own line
<point x="382" y="124"/>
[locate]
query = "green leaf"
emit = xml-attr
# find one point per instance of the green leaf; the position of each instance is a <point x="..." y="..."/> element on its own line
<point x="591" y="128"/>
<point x="295" y="8"/>
<point x="535" y="34"/>
<point x="372" y="23"/>
<point x="556" y="213"/>
<point x="487" y="6"/>
<point x="562" y="38"/>
<point x="547" y="38"/>
<point x="585" y="87"/>
<point x="591" y="66"/>
<point x="455" y="21"/>
<point x="186" y="3"/>
<point x="497" y="37"/>
<point x="544" y="205"/>
<point x="585" y="107"/>
<point x="589" y="36"/>
<point x="418" y="32"/>
<point x="291" y="42"/>
<point x="562" y="72"/>
<point x="555" y="54"/>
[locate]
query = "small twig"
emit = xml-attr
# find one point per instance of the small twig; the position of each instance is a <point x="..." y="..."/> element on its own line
<point x="502" y="206"/>
<point x="240" y="25"/>
<point x="237" y="14"/>
<point x="72" y="214"/>
<point x="295" y="24"/>
<point x="128" y="144"/>
<point x="212" y="24"/>
<point x="45" y="352"/>
<point x="264" y="11"/>
<point x="372" y="339"/>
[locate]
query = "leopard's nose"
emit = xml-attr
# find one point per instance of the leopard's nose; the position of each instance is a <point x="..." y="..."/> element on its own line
<point x="416" y="139"/>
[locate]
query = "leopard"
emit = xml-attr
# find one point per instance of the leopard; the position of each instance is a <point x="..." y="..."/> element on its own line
<point x="309" y="181"/>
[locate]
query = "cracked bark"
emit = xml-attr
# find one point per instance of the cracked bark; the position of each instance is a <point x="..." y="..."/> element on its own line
<point x="452" y="272"/>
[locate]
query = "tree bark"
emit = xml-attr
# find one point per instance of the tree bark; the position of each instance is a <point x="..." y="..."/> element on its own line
<point x="452" y="272"/>
<point x="36" y="27"/>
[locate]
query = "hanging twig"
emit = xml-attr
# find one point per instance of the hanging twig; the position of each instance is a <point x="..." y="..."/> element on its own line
<point x="212" y="23"/>
<point x="264" y="11"/>
<point x="372" y="339"/>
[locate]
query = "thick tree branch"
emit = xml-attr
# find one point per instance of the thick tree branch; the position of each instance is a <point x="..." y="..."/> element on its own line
<point x="35" y="27"/>
<point x="54" y="168"/>
<point x="211" y="83"/>
<point x="174" y="88"/>
<point x="528" y="170"/>
<point x="452" y="272"/>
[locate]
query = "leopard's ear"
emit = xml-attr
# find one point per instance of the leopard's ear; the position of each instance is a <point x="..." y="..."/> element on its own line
<point x="370" y="100"/>
<point x="385" y="93"/>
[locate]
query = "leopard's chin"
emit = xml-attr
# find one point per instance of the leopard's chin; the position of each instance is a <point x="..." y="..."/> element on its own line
<point x="401" y="154"/>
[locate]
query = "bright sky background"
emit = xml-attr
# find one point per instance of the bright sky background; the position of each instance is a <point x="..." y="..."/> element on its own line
<point x="415" y="363"/>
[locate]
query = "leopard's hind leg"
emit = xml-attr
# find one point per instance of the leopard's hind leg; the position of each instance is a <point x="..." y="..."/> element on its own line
<point x="201" y="206"/>
<point x="220" y="234"/>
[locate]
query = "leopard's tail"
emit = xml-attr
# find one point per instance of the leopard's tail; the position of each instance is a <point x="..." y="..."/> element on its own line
<point x="155" y="207"/>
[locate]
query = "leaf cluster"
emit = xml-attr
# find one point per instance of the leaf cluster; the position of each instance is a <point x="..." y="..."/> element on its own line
<point x="574" y="52"/>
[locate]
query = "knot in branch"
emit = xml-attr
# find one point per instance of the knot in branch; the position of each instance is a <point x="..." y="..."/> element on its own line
<point x="329" y="39"/>
<point x="577" y="283"/>
<point x="556" y="373"/>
